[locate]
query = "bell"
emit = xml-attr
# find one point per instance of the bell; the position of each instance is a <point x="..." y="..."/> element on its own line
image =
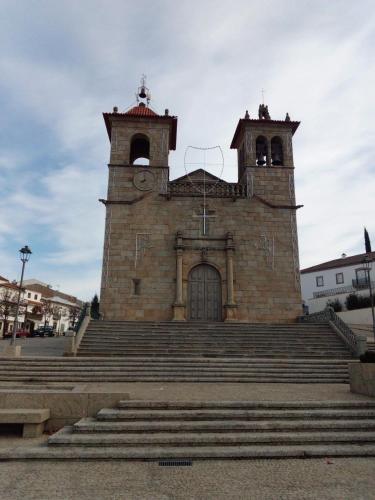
<point x="142" y="92"/>
<point x="277" y="160"/>
<point x="261" y="161"/>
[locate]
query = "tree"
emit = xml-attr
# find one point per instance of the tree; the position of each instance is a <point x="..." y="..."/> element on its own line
<point x="8" y="303"/>
<point x="73" y="315"/>
<point x="47" y="310"/>
<point x="95" y="307"/>
<point x="367" y="242"/>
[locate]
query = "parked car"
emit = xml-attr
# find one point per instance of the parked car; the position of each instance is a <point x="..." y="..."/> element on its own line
<point x="43" y="331"/>
<point x="21" y="332"/>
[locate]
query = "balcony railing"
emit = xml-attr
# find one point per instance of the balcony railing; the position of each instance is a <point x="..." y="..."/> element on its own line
<point x="334" y="291"/>
<point x="361" y="283"/>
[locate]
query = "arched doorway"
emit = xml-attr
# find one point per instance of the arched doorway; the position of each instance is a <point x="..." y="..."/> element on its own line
<point x="204" y="294"/>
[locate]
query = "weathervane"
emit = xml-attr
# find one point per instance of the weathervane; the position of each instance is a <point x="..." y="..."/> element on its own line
<point x="143" y="92"/>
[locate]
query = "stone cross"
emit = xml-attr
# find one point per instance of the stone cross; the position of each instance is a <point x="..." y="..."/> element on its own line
<point x="205" y="219"/>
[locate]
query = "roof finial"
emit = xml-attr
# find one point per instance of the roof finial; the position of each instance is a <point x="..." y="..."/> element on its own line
<point x="263" y="96"/>
<point x="247" y="116"/>
<point x="143" y="92"/>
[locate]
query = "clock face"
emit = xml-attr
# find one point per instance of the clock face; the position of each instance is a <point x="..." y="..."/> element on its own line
<point x="144" y="180"/>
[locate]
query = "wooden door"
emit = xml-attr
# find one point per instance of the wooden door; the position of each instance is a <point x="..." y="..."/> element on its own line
<point x="204" y="294"/>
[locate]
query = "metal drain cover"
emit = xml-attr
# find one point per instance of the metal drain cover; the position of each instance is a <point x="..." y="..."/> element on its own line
<point x="175" y="463"/>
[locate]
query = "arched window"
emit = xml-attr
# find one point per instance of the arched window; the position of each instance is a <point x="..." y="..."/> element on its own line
<point x="261" y="150"/>
<point x="277" y="151"/>
<point x="140" y="150"/>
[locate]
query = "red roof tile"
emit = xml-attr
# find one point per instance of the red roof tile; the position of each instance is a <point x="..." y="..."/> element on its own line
<point x="141" y="111"/>
<point x="342" y="262"/>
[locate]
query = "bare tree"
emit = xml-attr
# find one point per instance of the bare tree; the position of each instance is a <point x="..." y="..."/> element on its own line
<point x="47" y="309"/>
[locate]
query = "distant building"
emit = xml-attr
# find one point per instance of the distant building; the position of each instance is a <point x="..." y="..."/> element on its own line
<point x="335" y="279"/>
<point x="39" y="305"/>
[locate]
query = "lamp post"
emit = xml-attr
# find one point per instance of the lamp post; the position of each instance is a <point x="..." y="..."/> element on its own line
<point x="367" y="267"/>
<point x="25" y="253"/>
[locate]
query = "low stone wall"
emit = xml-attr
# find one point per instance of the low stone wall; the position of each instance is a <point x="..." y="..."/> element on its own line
<point x="362" y="378"/>
<point x="67" y="405"/>
<point x="357" y="316"/>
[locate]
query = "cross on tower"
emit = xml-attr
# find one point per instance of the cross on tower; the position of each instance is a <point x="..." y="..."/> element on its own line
<point x="205" y="219"/>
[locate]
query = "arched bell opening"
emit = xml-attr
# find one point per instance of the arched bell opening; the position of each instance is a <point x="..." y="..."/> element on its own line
<point x="277" y="156"/>
<point x="140" y="150"/>
<point x="261" y="150"/>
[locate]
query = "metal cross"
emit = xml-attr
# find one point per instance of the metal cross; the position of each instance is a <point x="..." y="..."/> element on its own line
<point x="262" y="96"/>
<point x="204" y="216"/>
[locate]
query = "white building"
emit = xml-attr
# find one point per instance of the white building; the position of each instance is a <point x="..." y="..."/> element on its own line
<point x="336" y="279"/>
<point x="40" y="305"/>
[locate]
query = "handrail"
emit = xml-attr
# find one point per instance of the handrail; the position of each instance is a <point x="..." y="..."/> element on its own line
<point x="356" y="343"/>
<point x="81" y="316"/>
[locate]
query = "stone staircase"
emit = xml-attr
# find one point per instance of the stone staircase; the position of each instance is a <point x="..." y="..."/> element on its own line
<point x="220" y="429"/>
<point x="193" y="352"/>
<point x="173" y="369"/>
<point x="160" y="339"/>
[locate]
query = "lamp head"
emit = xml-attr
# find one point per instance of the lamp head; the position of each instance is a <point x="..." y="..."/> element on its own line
<point x="25" y="253"/>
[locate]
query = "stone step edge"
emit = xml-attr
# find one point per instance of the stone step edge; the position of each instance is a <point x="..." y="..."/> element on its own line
<point x="89" y="425"/>
<point x="139" y="403"/>
<point x="217" y="452"/>
<point x="66" y="437"/>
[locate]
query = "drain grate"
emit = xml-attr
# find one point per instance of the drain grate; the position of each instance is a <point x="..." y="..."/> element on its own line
<point x="175" y="463"/>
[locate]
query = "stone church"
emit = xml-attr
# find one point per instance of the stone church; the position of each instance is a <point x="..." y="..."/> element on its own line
<point x="198" y="248"/>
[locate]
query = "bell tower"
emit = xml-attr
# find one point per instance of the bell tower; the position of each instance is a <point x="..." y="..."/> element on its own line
<point x="265" y="155"/>
<point x="140" y="133"/>
<point x="264" y="142"/>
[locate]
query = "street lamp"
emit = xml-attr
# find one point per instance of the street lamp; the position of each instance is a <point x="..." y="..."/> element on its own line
<point x="25" y="253"/>
<point x="367" y="267"/>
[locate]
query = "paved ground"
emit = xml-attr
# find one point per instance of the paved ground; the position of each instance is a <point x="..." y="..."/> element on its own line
<point x="342" y="479"/>
<point x="46" y="346"/>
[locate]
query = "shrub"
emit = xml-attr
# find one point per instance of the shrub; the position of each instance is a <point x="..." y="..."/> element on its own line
<point x="335" y="304"/>
<point x="368" y="357"/>
<point x="95" y="307"/>
<point x="354" y="301"/>
<point x="351" y="302"/>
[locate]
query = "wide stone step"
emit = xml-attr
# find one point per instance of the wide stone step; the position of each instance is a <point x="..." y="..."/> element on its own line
<point x="65" y="437"/>
<point x="176" y="369"/>
<point x="91" y="425"/>
<point x="188" y="452"/>
<point x="289" y="355"/>
<point x="187" y="405"/>
<point x="234" y="414"/>
<point x="193" y="379"/>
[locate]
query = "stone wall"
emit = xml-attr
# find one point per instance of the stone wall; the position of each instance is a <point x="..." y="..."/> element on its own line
<point x="140" y="244"/>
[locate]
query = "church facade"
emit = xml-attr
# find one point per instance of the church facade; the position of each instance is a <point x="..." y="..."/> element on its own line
<point x="198" y="248"/>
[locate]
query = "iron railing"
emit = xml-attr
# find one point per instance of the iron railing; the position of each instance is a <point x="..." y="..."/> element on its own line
<point x="328" y="315"/>
<point x="333" y="291"/>
<point x="361" y="283"/>
<point x="83" y="314"/>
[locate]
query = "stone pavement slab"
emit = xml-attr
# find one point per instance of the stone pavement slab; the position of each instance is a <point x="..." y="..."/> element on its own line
<point x="331" y="479"/>
<point x="46" y="346"/>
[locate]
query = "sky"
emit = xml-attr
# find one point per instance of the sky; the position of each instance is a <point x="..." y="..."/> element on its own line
<point x="63" y="63"/>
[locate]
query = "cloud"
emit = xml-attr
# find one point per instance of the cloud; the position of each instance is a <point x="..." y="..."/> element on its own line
<point x="67" y="62"/>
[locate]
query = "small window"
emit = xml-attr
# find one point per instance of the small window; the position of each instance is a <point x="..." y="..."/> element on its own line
<point x="136" y="287"/>
<point x="339" y="278"/>
<point x="36" y="296"/>
<point x="319" y="281"/>
<point x="29" y="295"/>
